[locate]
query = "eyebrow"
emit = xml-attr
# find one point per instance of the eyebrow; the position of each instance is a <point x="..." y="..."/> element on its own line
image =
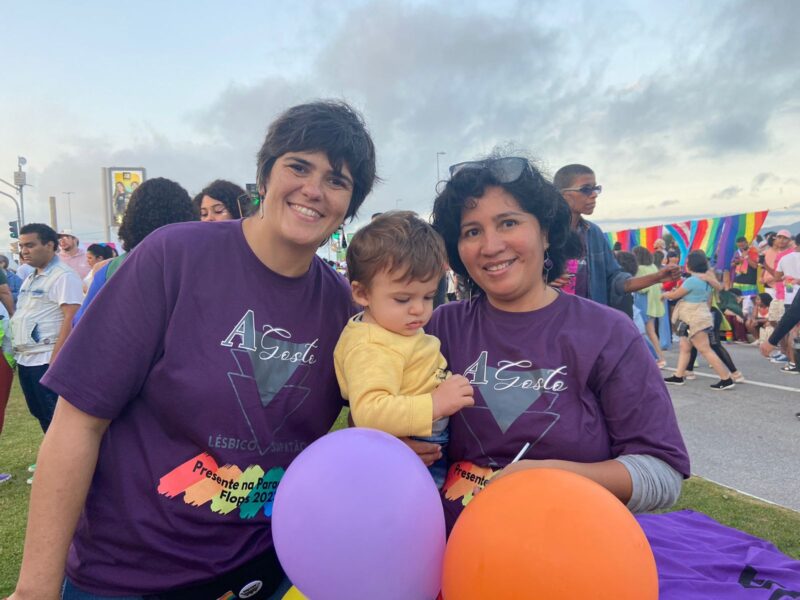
<point x="496" y="218"/>
<point x="310" y="164"/>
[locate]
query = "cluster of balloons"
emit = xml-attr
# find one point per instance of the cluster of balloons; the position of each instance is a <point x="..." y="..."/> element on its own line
<point x="357" y="515"/>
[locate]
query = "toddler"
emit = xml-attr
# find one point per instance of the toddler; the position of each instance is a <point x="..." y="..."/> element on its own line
<point x="393" y="373"/>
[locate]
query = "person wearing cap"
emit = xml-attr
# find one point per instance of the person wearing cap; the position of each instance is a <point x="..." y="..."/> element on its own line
<point x="71" y="254"/>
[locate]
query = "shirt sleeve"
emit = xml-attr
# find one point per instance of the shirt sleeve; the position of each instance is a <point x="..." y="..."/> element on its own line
<point x="638" y="410"/>
<point x="123" y="331"/>
<point x="67" y="289"/>
<point x="373" y="375"/>
<point x="655" y="484"/>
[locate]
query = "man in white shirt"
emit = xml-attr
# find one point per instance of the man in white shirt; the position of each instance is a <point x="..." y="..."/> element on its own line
<point x="48" y="299"/>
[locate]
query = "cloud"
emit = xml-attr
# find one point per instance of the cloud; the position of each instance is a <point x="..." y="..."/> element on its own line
<point x="432" y="79"/>
<point x="728" y="193"/>
<point x="761" y="180"/>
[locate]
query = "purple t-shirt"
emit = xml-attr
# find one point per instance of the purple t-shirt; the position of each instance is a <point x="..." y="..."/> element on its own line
<point x="574" y="379"/>
<point x="216" y="372"/>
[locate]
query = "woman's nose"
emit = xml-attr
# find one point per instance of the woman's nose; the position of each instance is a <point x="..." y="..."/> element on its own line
<point x="492" y="243"/>
<point x="312" y="189"/>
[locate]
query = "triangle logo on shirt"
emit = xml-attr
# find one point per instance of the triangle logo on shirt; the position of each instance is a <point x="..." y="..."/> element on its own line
<point x="507" y="405"/>
<point x="266" y="398"/>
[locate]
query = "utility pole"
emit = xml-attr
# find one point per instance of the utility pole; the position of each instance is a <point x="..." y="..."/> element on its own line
<point x="69" y="207"/>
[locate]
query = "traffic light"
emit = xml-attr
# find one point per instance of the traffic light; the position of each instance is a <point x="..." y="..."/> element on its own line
<point x="13" y="229"/>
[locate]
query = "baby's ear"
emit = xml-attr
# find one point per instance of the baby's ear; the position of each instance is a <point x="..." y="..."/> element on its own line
<point x="360" y="294"/>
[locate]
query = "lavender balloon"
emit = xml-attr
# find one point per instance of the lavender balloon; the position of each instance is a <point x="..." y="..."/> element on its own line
<point x="357" y="515"/>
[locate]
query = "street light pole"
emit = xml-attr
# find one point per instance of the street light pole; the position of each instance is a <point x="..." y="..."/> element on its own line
<point x="69" y="207"/>
<point x="20" y="180"/>
<point x="438" y="154"/>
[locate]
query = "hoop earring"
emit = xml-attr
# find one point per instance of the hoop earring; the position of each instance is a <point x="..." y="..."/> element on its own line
<point x="548" y="264"/>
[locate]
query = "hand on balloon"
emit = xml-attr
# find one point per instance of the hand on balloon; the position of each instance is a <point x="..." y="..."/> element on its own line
<point x="453" y="394"/>
<point x="428" y="453"/>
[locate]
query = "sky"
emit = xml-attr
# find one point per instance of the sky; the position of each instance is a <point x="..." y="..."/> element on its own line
<point x="683" y="109"/>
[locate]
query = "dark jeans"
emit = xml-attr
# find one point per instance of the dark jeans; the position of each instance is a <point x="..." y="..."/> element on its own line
<point x="41" y="400"/>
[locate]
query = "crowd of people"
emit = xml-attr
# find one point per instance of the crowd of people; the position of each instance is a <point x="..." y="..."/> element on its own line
<point x="221" y="350"/>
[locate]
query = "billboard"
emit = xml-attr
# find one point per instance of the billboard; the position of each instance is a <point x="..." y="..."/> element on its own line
<point x="122" y="181"/>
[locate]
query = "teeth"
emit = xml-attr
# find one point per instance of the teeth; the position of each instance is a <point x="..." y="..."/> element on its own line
<point x="309" y="212"/>
<point x="499" y="266"/>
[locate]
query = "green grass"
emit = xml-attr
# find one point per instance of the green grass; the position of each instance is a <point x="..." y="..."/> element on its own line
<point x="21" y="438"/>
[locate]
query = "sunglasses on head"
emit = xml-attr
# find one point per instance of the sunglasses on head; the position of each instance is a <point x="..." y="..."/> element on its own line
<point x="586" y="190"/>
<point x="505" y="170"/>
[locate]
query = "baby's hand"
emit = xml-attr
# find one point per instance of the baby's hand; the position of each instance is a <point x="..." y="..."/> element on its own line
<point x="451" y="396"/>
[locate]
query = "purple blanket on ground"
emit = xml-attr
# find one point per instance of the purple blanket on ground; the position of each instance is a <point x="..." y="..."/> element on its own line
<point x="698" y="558"/>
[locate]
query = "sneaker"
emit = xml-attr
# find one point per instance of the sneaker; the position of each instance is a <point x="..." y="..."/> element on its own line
<point x="690" y="376"/>
<point x="737" y="377"/>
<point x="775" y="353"/>
<point x="791" y="369"/>
<point x="674" y="380"/>
<point x="32" y="468"/>
<point x="661" y="364"/>
<point x="723" y="384"/>
<point x="4" y="477"/>
<point x="29" y="481"/>
<point x="781" y="358"/>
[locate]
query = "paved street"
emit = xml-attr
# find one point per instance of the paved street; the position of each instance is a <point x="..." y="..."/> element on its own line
<point x="747" y="438"/>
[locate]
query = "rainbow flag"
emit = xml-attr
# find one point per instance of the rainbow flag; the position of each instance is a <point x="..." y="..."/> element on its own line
<point x="681" y="232"/>
<point x="628" y="238"/>
<point x="647" y="236"/>
<point x="715" y="236"/>
<point x="705" y="235"/>
<point x="745" y="225"/>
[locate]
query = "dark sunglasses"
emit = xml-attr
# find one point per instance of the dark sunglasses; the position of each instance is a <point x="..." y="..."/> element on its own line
<point x="505" y="170"/>
<point x="586" y="190"/>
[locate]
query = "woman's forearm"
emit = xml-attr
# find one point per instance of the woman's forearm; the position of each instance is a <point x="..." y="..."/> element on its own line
<point x="64" y="470"/>
<point x="611" y="474"/>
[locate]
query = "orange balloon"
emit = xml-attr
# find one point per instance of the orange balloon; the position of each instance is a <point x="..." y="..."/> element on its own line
<point x="549" y="534"/>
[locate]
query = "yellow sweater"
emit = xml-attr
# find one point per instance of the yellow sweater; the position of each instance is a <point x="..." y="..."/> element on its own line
<point x="388" y="378"/>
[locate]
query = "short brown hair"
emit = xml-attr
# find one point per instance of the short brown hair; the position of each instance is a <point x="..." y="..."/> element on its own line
<point x="396" y="241"/>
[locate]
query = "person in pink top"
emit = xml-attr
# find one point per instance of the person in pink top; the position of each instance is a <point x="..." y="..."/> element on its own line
<point x="71" y="254"/>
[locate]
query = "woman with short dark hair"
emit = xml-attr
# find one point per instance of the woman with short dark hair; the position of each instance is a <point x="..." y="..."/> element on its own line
<point x="211" y="369"/>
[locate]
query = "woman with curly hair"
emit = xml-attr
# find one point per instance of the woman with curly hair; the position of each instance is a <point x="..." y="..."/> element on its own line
<point x="155" y="203"/>
<point x="211" y="370"/>
<point x="221" y="200"/>
<point x="565" y="379"/>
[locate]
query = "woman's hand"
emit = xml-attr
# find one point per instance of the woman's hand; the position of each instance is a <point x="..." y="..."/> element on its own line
<point x="428" y="452"/>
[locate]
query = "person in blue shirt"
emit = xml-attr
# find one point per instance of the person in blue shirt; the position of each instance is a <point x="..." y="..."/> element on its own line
<point x="13" y="280"/>
<point x="599" y="277"/>
<point x="693" y="321"/>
